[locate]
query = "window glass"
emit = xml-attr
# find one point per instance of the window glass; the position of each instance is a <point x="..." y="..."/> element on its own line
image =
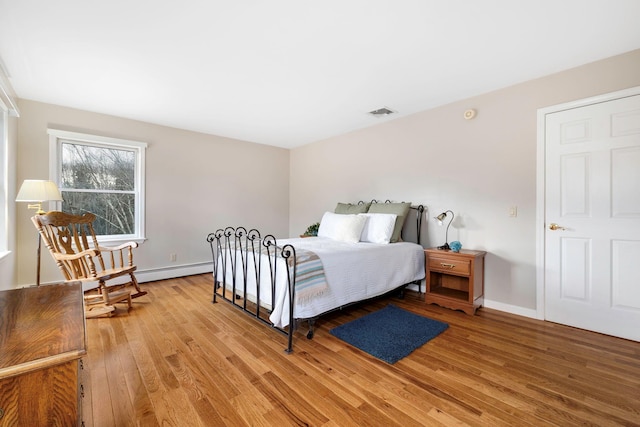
<point x="87" y="167"/>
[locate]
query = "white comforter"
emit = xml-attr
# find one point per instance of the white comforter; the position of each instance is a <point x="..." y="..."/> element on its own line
<point x="354" y="272"/>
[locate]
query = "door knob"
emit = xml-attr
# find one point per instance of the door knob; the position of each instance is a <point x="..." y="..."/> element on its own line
<point x="553" y="226"/>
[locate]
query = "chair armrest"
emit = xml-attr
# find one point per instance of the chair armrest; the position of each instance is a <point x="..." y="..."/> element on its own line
<point x="131" y="245"/>
<point x="119" y="256"/>
<point x="71" y="257"/>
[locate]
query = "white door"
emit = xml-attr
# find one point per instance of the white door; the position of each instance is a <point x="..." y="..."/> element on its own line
<point x="592" y="193"/>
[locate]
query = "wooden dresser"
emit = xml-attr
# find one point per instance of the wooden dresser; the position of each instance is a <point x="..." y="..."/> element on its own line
<point x="42" y="340"/>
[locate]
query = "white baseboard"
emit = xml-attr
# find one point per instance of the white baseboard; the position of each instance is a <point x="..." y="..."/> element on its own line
<point x="508" y="308"/>
<point x="513" y="309"/>
<point x="154" y="274"/>
<point x="413" y="287"/>
<point x="172" y="272"/>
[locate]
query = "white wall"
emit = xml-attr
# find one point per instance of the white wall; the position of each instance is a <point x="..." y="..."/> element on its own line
<point x="477" y="168"/>
<point x="196" y="183"/>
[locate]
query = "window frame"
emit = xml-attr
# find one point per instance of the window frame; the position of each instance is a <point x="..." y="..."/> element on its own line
<point x="8" y="108"/>
<point x="58" y="137"/>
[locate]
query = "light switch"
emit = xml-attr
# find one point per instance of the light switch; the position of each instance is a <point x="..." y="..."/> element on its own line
<point x="513" y="211"/>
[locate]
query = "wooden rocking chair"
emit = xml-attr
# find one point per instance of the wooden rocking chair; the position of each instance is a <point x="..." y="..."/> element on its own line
<point x="72" y="243"/>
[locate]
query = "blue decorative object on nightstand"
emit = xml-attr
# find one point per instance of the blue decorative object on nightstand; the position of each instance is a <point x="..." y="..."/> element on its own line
<point x="455" y="246"/>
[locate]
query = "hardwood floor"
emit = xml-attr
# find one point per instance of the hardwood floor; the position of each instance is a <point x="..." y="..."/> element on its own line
<point x="178" y="360"/>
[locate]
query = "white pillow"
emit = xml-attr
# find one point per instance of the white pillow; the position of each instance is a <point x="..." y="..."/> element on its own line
<point x="379" y="227"/>
<point x="346" y="228"/>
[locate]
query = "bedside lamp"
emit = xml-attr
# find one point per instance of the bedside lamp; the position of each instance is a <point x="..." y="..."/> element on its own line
<point x="441" y="218"/>
<point x="38" y="191"/>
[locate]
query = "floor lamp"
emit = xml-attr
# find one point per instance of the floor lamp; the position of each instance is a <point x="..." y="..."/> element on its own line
<point x="36" y="192"/>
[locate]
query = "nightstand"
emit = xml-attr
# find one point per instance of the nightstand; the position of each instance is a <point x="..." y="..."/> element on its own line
<point x="455" y="279"/>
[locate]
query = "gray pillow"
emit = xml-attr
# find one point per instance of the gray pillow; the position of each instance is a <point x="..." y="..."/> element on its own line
<point x="400" y="209"/>
<point x="348" y="208"/>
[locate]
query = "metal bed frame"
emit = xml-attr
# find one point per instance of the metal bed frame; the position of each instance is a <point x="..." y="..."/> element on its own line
<point x="232" y="248"/>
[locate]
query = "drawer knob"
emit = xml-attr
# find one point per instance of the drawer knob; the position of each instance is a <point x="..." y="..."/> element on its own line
<point x="447" y="265"/>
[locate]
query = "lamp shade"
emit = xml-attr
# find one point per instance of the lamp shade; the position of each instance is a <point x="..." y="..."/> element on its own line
<point x="36" y="190"/>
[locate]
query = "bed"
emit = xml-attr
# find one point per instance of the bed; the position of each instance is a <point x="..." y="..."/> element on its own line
<point x="360" y="253"/>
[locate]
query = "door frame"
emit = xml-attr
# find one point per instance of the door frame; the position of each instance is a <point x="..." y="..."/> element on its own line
<point x="540" y="181"/>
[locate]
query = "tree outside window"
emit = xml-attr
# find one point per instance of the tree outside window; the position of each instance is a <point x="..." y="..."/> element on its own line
<point x="101" y="181"/>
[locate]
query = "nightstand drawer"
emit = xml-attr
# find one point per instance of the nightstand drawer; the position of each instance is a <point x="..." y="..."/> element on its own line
<point x="450" y="266"/>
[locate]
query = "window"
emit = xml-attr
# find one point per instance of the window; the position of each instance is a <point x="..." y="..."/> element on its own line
<point x="104" y="176"/>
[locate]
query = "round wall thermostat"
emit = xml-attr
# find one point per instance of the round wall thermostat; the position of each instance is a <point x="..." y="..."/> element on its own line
<point x="469" y="114"/>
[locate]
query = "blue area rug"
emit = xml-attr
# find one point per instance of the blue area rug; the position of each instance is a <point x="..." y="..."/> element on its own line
<point x="390" y="333"/>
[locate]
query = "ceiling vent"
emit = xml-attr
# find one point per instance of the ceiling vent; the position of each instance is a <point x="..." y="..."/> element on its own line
<point x="380" y="112"/>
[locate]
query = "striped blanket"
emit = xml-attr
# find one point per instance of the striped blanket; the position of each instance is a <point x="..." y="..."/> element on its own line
<point x="310" y="278"/>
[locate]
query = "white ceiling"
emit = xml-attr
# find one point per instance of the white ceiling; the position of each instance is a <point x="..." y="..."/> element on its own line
<point x="290" y="72"/>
